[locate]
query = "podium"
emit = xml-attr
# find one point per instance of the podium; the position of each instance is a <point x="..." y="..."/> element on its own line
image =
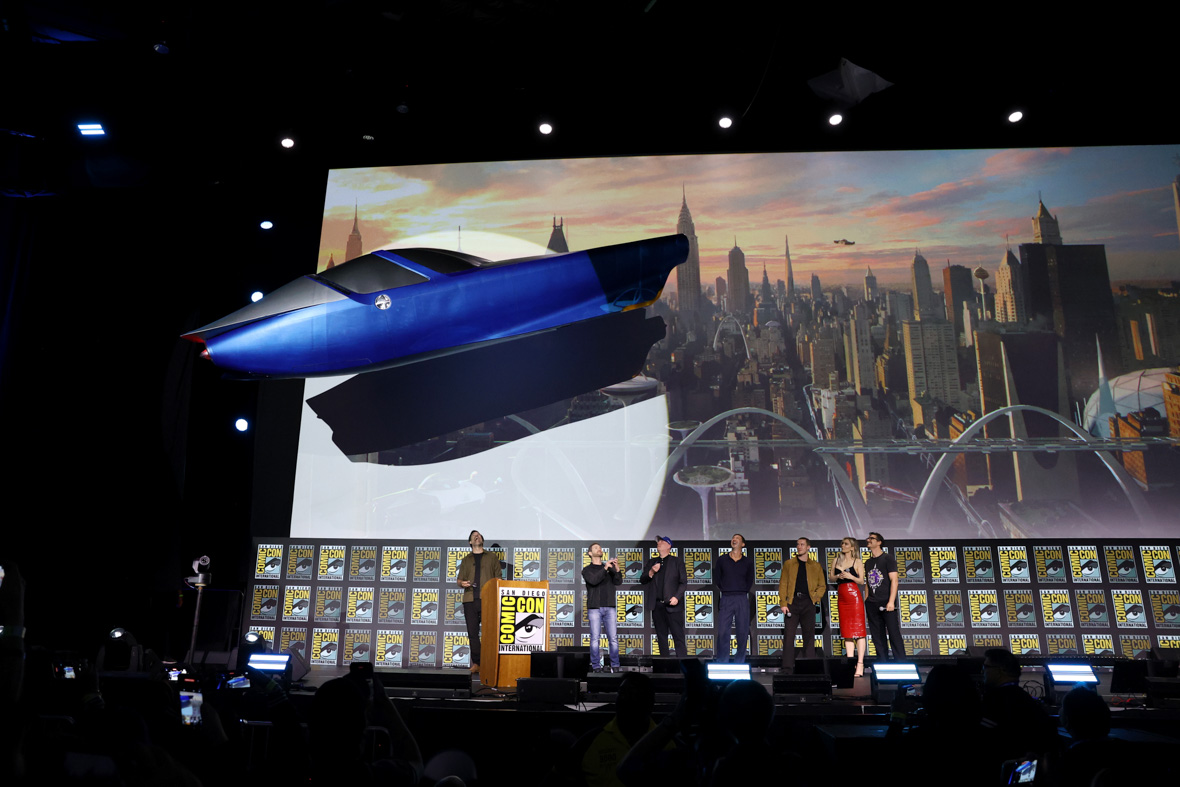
<point x="502" y="669"/>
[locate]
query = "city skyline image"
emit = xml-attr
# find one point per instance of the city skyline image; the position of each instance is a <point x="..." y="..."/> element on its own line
<point x="961" y="206"/>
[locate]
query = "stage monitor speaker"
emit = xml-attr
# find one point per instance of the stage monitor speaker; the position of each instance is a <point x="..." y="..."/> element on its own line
<point x="547" y="691"/>
<point x="763" y="663"/>
<point x="559" y="664"/>
<point x="603" y="686"/>
<point x="1163" y="692"/>
<point x="1129" y="677"/>
<point x="816" y="666"/>
<point x="666" y="665"/>
<point x="299" y="668"/>
<point x="842" y="672"/>
<point x="794" y="689"/>
<point x="447" y="684"/>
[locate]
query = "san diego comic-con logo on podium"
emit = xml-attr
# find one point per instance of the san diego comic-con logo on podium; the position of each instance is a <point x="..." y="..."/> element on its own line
<point x="1050" y="564"/>
<point x="1083" y="563"/>
<point x="1092" y="609"/>
<point x="331" y="563"/>
<point x="523" y="613"/>
<point x="979" y="567"/>
<point x="395" y="563"/>
<point x="269" y="561"/>
<point x="301" y="561"/>
<point x="296" y="603"/>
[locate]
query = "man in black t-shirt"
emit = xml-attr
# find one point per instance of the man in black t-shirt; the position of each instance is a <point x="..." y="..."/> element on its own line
<point x="881" y="599"/>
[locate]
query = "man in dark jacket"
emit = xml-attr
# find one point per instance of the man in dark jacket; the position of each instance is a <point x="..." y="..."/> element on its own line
<point x="667" y="580"/>
<point x="735" y="580"/>
<point x="474" y="570"/>
<point x="601" y="580"/>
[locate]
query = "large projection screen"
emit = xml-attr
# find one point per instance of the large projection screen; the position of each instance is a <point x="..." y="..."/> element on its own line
<point x="865" y="297"/>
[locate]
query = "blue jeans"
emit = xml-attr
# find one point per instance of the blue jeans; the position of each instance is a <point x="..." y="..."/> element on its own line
<point x="597" y="617"/>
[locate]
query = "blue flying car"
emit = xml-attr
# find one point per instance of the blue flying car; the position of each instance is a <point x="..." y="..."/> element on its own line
<point x="392" y="308"/>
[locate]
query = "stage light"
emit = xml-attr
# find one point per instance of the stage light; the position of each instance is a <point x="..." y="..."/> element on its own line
<point x="725" y="122"/>
<point x="719" y="671"/>
<point x="1061" y="678"/>
<point x="91" y="129"/>
<point x="120" y="633"/>
<point x="545" y="128"/>
<point x="266" y="225"/>
<point x="287" y="142"/>
<point x="1016" y="117"/>
<point x="241" y="424"/>
<point x="251" y="647"/>
<point x="836" y="119"/>
<point x="255" y="296"/>
<point x="891" y="677"/>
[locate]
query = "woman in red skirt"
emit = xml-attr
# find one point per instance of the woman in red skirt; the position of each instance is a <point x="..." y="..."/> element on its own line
<point x="848" y="570"/>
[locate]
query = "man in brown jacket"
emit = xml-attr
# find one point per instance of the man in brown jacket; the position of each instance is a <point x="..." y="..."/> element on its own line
<point x="802" y="587"/>
<point x="474" y="570"/>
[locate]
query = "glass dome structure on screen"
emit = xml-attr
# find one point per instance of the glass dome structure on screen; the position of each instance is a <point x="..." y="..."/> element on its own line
<point x="1129" y="393"/>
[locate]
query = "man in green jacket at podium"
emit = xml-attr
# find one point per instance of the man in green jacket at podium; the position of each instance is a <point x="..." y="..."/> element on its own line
<point x="474" y="570"/>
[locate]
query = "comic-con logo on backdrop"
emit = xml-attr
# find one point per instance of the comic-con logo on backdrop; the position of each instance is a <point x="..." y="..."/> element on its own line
<point x="395" y="563"/>
<point x="630" y="563"/>
<point x="1129" y="610"/>
<point x="330" y="566"/>
<point x="423" y="648"/>
<point x="1014" y="567"/>
<point x="769" y="615"/>
<point x="329" y="604"/>
<point x="948" y="608"/>
<point x="360" y="605"/>
<point x="986" y="641"/>
<point x="456" y="651"/>
<point x="1165" y="607"/>
<point x="296" y="603"/>
<point x="325" y="647"/>
<point x="523" y="613"/>
<point x="952" y="644"/>
<point x="1083" y="563"/>
<point x="358" y="645"/>
<point x="453" y="612"/>
<point x="362" y="563"/>
<point x="390" y="647"/>
<point x="917" y="644"/>
<point x="1056" y="608"/>
<point x="301" y="561"/>
<point x="1098" y="644"/>
<point x="978" y="564"/>
<point x="632" y="644"/>
<point x="391" y="606"/>
<point x="833" y="610"/>
<point x="629" y="609"/>
<point x="1120" y="564"/>
<point x="657" y="649"/>
<point x="264" y="605"/>
<point x="698" y="609"/>
<point x="910" y="565"/>
<point x="1158" y="566"/>
<point x="1019" y="608"/>
<point x="699" y="645"/>
<point x="455" y="556"/>
<point x="944" y="566"/>
<point x="267" y="633"/>
<point x="1061" y="644"/>
<point x="1134" y="646"/>
<point x="698" y="563"/>
<point x="293" y="639"/>
<point x="1050" y="564"/>
<point x="268" y="563"/>
<point x="768" y="565"/>
<point x="1025" y="644"/>
<point x="565" y="639"/>
<point x="985" y="608"/>
<point x="770" y="644"/>
<point x="526" y="564"/>
<point x="424" y="607"/>
<point x="1093" y="611"/>
<point x="560" y="566"/>
<point x="428" y="565"/>
<point x="1168" y="641"/>
<point x="561" y="608"/>
<point x="913" y="608"/>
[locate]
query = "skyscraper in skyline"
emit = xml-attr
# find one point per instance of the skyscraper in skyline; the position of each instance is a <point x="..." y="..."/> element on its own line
<point x="817" y="292"/>
<point x="925" y="307"/>
<point x="791" y="273"/>
<point x="353" y="248"/>
<point x="739" y="281"/>
<point x="932" y="364"/>
<point x="1046" y="230"/>
<point x="688" y="274"/>
<point x="956" y="289"/>
<point x="870" y="285"/>
<point x="557" y="243"/>
<point x="1010" y="303"/>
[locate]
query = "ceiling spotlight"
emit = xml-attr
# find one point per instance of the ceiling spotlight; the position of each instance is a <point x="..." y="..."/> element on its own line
<point x="287" y="142"/>
<point x="1016" y="117"/>
<point x="836" y="119"/>
<point x="266" y="225"/>
<point x="241" y="424"/>
<point x="725" y="122"/>
<point x="403" y="108"/>
<point x="255" y="296"/>
<point x="161" y="48"/>
<point x="368" y="137"/>
<point x="545" y="128"/>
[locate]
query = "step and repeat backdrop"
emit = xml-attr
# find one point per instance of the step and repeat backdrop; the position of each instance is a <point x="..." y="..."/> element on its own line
<point x="398" y="605"/>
